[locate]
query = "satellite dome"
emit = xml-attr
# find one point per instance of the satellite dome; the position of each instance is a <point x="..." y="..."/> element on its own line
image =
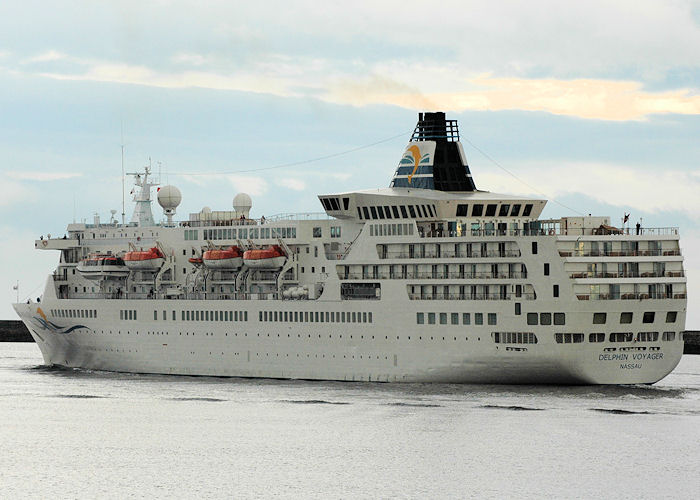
<point x="242" y="203"/>
<point x="169" y="197"/>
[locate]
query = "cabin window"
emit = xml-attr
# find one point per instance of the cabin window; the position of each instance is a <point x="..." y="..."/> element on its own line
<point x="528" y="210"/>
<point x="404" y="214"/>
<point x="478" y="318"/>
<point x="648" y="317"/>
<point x="395" y="211"/>
<point x="667" y="336"/>
<point x="365" y="211"/>
<point x="625" y="317"/>
<point x="317" y="232"/>
<point x="420" y="318"/>
<point x="412" y="211"/>
<point x="621" y="337"/>
<point x="599" y="318"/>
<point x="559" y="318"/>
<point x="477" y="210"/>
<point x="545" y="319"/>
<point x="671" y="316"/>
<point x="462" y="210"/>
<point x="515" y="211"/>
<point x="466" y="318"/>
<point x="387" y="212"/>
<point x="503" y="211"/>
<point x="490" y="210"/>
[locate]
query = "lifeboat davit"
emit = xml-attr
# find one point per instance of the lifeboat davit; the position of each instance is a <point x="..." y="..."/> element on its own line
<point x="230" y="258"/>
<point x="102" y="266"/>
<point x="144" y="260"/>
<point x="272" y="257"/>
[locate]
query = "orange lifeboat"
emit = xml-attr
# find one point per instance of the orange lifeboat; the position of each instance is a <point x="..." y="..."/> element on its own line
<point x="195" y="260"/>
<point x="230" y="258"/>
<point x="272" y="257"/>
<point x="144" y="260"/>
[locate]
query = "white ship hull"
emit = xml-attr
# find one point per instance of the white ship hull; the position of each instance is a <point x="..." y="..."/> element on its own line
<point x="381" y="352"/>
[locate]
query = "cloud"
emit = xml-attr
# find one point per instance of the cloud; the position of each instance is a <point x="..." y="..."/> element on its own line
<point x="617" y="185"/>
<point x="51" y="55"/>
<point x="585" y="98"/>
<point x="254" y="186"/>
<point x="12" y="192"/>
<point x="42" y="176"/>
<point x="290" y="183"/>
<point x="400" y="83"/>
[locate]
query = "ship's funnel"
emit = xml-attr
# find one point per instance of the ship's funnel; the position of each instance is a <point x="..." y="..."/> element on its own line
<point x="434" y="159"/>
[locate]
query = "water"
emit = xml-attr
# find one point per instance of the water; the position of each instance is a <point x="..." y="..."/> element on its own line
<point x="74" y="433"/>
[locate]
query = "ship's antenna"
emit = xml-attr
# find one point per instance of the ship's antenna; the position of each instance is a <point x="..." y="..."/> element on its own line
<point x="123" y="178"/>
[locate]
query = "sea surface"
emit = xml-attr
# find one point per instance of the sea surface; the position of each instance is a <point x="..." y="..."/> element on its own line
<point x="88" y="434"/>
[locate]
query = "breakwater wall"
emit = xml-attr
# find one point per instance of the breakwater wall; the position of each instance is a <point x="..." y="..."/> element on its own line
<point x="14" y="331"/>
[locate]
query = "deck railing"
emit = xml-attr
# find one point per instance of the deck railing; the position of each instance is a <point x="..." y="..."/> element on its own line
<point x="629" y="296"/>
<point x="667" y="274"/>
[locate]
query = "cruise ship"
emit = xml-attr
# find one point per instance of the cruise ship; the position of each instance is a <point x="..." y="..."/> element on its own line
<point x="427" y="280"/>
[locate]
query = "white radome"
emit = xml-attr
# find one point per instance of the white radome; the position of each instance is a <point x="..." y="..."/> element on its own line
<point x="242" y="203"/>
<point x="169" y="197"/>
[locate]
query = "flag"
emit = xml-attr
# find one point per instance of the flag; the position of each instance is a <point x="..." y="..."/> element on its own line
<point x="627" y="217"/>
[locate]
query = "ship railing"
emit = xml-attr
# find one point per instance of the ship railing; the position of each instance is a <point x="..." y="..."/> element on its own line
<point x="60" y="277"/>
<point x="619" y="253"/>
<point x="425" y="231"/>
<point x="299" y="216"/>
<point x="430" y="275"/>
<point x="446" y="255"/>
<point x="470" y="296"/>
<point x="629" y="296"/>
<point x="667" y="274"/>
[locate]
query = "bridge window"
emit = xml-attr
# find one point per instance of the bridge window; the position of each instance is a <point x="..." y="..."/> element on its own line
<point x="515" y="211"/>
<point x="490" y="210"/>
<point x="528" y="210"/>
<point x="477" y="210"/>
<point x="503" y="211"/>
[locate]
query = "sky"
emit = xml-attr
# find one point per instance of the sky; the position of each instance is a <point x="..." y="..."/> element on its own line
<point x="594" y="105"/>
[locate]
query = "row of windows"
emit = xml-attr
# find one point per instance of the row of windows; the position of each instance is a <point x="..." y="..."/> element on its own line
<point x="396" y="212"/>
<point x="245" y="233"/>
<point x="545" y="319"/>
<point x="626" y="317"/>
<point x="569" y="338"/>
<point x="74" y="313"/>
<point x="204" y="315"/>
<point x="514" y="337"/>
<point x="317" y="232"/>
<point x="315" y="317"/>
<point x="505" y="210"/>
<point x="442" y="318"/>
<point x="390" y="229"/>
<point x="191" y="234"/>
<point x="127" y="314"/>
